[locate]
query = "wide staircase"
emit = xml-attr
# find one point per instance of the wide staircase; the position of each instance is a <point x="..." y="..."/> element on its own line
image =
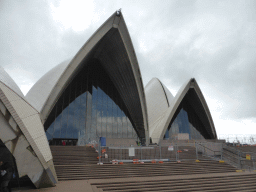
<point x="140" y="170"/>
<point x="73" y="156"/>
<point x="80" y="163"/>
<point x="211" y="182"/>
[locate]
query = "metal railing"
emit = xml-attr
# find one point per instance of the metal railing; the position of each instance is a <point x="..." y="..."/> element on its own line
<point x="162" y="152"/>
<point x="206" y="151"/>
<point x="238" y="158"/>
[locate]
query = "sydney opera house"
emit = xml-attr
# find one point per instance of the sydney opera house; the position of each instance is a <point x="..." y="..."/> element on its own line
<point x="98" y="93"/>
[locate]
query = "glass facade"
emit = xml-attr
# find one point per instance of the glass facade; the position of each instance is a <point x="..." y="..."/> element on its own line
<point x="181" y="124"/>
<point x="90" y="107"/>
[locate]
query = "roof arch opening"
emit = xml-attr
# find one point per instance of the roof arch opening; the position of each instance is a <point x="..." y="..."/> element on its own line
<point x="90" y="107"/>
<point x="188" y="113"/>
<point x="112" y="47"/>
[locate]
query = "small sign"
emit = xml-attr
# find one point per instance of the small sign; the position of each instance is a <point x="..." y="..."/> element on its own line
<point x="131" y="152"/>
<point x="248" y="157"/>
<point x="170" y="148"/>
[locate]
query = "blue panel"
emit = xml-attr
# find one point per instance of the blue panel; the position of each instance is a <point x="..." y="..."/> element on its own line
<point x="119" y="123"/>
<point x="166" y="134"/>
<point x="115" y="125"/>
<point x="70" y="120"/>
<point x="49" y="136"/>
<point x="57" y="127"/>
<point x="181" y="124"/>
<point x="82" y="111"/>
<point x="64" y="123"/>
<point x="99" y="112"/>
<point x="76" y="117"/>
<point x="50" y="130"/>
<point x="110" y="117"/>
<point x="104" y="114"/>
<point x="103" y="141"/>
<point x="94" y="114"/>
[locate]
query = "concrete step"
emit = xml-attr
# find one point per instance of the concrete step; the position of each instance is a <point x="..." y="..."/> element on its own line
<point x="139" y="170"/>
<point x="239" y="182"/>
<point x="73" y="163"/>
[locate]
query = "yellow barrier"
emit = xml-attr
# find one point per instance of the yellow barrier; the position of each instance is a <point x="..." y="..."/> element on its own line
<point x="248" y="157"/>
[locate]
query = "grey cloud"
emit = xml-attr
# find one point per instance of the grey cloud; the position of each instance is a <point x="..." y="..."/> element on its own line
<point x="213" y="41"/>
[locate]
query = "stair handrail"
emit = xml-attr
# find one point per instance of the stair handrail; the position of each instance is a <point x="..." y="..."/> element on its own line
<point x="236" y="157"/>
<point x="236" y="151"/>
<point x="208" y="148"/>
<point x="242" y="153"/>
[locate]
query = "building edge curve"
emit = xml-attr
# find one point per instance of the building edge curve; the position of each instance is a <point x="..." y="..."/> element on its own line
<point x="23" y="134"/>
<point x="158" y="99"/>
<point x="113" y="22"/>
<point x="6" y="79"/>
<point x="161" y="128"/>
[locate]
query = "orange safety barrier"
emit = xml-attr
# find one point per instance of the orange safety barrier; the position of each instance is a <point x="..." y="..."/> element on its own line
<point x="114" y="162"/>
<point x="153" y="161"/>
<point x="135" y="161"/>
<point x="103" y="151"/>
<point x="160" y="162"/>
<point x="121" y="163"/>
<point x="179" y="151"/>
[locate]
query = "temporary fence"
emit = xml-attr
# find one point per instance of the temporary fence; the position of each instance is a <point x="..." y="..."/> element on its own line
<point x="238" y="158"/>
<point x="164" y="151"/>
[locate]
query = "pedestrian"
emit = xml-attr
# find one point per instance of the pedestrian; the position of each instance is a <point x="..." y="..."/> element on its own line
<point x="6" y="175"/>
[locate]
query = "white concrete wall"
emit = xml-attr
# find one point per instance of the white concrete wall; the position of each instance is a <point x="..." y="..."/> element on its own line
<point x="23" y="134"/>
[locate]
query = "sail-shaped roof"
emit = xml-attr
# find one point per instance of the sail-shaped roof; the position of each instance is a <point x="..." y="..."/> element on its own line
<point x="111" y="45"/>
<point x="27" y="140"/>
<point x="39" y="93"/>
<point x="158" y="101"/>
<point x="8" y="81"/>
<point x="190" y="92"/>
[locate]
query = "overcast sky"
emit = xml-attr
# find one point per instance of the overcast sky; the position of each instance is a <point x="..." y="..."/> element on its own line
<point x="212" y="41"/>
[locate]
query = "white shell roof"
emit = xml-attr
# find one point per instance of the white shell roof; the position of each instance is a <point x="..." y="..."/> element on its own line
<point x="168" y="93"/>
<point x="48" y="89"/>
<point x="29" y="122"/>
<point x="158" y="99"/>
<point x="39" y="93"/>
<point x="158" y="130"/>
<point x="8" y="81"/>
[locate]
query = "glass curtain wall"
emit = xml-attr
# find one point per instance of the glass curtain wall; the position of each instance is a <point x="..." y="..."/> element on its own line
<point x="183" y="123"/>
<point x="90" y="107"/>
